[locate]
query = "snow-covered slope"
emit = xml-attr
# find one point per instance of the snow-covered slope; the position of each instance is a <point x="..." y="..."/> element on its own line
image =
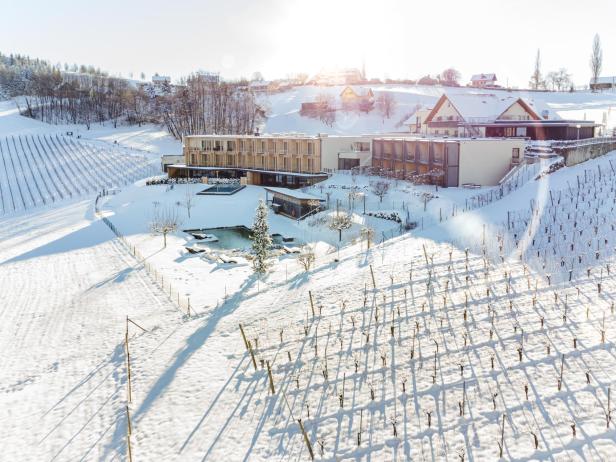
<point x="39" y="170"/>
<point x="411" y="350"/>
<point x="284" y="108"/>
<point x="148" y="138"/>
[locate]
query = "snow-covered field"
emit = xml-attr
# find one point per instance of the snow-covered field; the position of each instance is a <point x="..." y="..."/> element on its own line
<point x="417" y="349"/>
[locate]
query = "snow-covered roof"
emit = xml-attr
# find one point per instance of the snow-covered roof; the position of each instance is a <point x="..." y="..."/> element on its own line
<point x="161" y="78"/>
<point x="479" y="77"/>
<point x="474" y="107"/>
<point x="294" y="193"/>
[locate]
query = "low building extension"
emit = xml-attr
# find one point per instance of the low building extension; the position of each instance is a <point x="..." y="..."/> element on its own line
<point x="292" y="203"/>
<point x="448" y="162"/>
<point x="288" y="160"/>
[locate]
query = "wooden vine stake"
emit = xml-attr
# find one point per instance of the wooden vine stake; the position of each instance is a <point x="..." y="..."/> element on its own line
<point x="306" y="440"/>
<point x="129" y="431"/>
<point x="128" y="382"/>
<point x="244" y="337"/>
<point x="252" y="355"/>
<point x="311" y="302"/>
<point x="501" y="445"/>
<point x="271" y="379"/>
<point x="372" y="275"/>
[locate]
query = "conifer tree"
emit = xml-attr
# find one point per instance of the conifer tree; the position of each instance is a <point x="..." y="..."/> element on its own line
<point x="261" y="239"/>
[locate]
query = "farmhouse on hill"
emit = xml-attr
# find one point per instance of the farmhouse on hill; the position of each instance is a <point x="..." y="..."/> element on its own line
<point x="352" y="99"/>
<point x="491" y="115"/>
<point x="483" y="80"/>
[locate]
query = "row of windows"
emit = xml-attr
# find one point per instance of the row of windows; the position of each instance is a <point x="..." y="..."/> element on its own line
<point x="259" y="162"/>
<point x="446" y="132"/>
<point x="423" y="157"/>
<point x="258" y="146"/>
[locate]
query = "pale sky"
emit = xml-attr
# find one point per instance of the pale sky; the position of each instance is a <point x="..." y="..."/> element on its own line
<point x="398" y="39"/>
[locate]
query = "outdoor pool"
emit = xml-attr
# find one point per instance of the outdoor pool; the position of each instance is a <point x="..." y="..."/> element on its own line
<point x="221" y="189"/>
<point x="236" y="237"/>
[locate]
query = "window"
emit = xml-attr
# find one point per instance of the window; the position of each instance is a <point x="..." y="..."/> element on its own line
<point x="515" y="153"/>
<point x="310" y="149"/>
<point x="230" y="145"/>
<point x="285" y="147"/>
<point x="410" y="151"/>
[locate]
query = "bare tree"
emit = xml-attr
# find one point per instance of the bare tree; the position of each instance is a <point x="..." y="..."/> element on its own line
<point x="340" y="221"/>
<point x="380" y="189"/>
<point x="596" y="59"/>
<point x="559" y="80"/>
<point x="536" y="79"/>
<point x="189" y="200"/>
<point x="386" y="104"/>
<point x="164" y="221"/>
<point x="367" y="234"/>
<point x="306" y="257"/>
<point x="450" y="76"/>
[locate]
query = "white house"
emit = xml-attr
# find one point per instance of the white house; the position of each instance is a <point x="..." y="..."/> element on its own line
<point x="483" y="80"/>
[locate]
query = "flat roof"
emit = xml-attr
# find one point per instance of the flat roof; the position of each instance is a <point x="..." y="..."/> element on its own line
<point x="243" y="169"/>
<point x="295" y="193"/>
<point x="286" y="135"/>
<point x="539" y="123"/>
<point x="451" y="139"/>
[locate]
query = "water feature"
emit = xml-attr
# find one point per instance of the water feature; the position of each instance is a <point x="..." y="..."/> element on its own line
<point x="221" y="189"/>
<point x="236" y="237"/>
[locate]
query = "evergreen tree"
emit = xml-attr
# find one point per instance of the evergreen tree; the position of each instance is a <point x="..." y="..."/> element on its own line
<point x="261" y="239"/>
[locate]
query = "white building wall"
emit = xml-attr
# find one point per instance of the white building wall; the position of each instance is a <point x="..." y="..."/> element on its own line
<point x="332" y="146"/>
<point x="485" y="161"/>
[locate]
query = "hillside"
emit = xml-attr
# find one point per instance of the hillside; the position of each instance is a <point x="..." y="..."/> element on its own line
<point x="487" y="332"/>
<point x="284" y="108"/>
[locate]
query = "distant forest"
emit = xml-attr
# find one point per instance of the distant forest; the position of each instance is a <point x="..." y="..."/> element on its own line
<point x="86" y="95"/>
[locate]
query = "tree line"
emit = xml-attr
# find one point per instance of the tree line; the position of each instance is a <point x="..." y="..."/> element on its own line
<point x="84" y="95"/>
<point x="560" y="80"/>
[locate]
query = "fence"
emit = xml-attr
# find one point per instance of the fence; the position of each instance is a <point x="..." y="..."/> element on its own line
<point x="182" y="301"/>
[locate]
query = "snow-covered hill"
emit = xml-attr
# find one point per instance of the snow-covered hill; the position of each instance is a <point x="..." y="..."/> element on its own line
<point x="489" y="332"/>
<point x="284" y="108"/>
<point x="42" y="170"/>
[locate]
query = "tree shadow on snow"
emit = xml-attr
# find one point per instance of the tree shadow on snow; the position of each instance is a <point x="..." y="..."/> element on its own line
<point x="193" y="343"/>
<point x="94" y="234"/>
